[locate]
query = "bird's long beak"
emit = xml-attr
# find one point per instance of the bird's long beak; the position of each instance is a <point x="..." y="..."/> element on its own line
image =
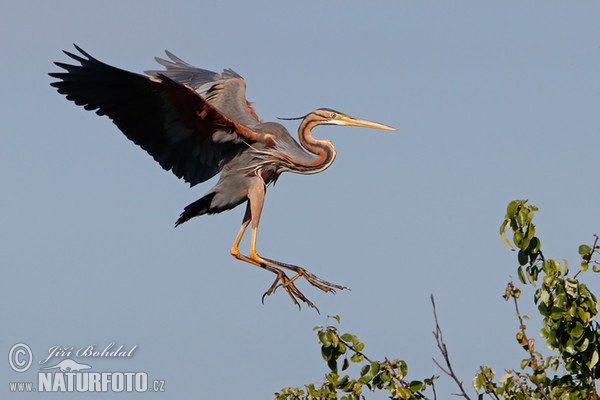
<point x="351" y="121"/>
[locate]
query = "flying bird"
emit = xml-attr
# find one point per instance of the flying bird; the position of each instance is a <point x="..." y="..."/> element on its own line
<point x="197" y="123"/>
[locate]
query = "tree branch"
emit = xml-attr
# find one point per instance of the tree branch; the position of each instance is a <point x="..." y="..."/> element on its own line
<point x="439" y="339"/>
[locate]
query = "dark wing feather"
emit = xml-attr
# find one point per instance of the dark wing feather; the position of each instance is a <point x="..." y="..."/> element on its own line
<point x="176" y="126"/>
<point x="225" y="91"/>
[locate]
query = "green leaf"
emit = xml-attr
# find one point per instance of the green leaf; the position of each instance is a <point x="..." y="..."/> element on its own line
<point x="521" y="337"/>
<point x="544" y="297"/>
<point x="549" y="267"/>
<point x="521" y="275"/>
<point x="357" y="358"/>
<point x="584" y="316"/>
<point x="326" y="352"/>
<point x="325" y="338"/>
<point x="347" y="388"/>
<point x="594" y="360"/>
<point x="584" y="249"/>
<point x="577" y="331"/>
<point x="386" y="376"/>
<point x="584" y="345"/>
<point x="375" y="367"/>
<point x="415" y="386"/>
<point x="404" y="393"/>
<point x="333" y="338"/>
<point x="523" y="217"/>
<point x="332" y="377"/>
<point x="557" y="313"/>
<point x="570" y="347"/>
<point x="534" y="245"/>
<point x="530" y="231"/>
<point x="344" y="381"/>
<point x="332" y="364"/>
<point x="365" y="370"/>
<point x="518" y="238"/>
<point x="564" y="269"/>
<point x="477" y="382"/>
<point x="512" y="208"/>
<point x="503" y="228"/>
<point x="347" y="337"/>
<point x="523" y="257"/>
<point x="403" y="369"/>
<point x="345" y="364"/>
<point x="532" y="273"/>
<point x="571" y="287"/>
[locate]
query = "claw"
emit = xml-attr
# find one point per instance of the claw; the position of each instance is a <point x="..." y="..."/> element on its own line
<point x="295" y="294"/>
<point x="314" y="280"/>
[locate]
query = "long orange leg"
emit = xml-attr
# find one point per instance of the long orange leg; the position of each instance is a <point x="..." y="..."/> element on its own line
<point x="290" y="288"/>
<point x="300" y="272"/>
<point x="253" y="211"/>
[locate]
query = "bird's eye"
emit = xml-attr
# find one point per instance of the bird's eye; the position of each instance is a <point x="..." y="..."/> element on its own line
<point x="333" y="115"/>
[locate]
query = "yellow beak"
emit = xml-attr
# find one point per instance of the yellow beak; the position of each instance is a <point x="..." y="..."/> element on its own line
<point x="351" y="121"/>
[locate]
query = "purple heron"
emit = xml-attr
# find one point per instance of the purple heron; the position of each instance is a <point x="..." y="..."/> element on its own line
<point x="198" y="123"/>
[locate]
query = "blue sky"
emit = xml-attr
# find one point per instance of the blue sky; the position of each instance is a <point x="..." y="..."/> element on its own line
<point x="491" y="103"/>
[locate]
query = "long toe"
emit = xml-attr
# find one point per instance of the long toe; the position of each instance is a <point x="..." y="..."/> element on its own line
<point x="295" y="294"/>
<point x="311" y="278"/>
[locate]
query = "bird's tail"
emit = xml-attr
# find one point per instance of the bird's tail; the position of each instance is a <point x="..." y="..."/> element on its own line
<point x="195" y="209"/>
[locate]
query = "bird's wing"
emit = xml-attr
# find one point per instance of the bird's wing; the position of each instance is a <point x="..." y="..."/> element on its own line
<point x="181" y="130"/>
<point x="225" y="91"/>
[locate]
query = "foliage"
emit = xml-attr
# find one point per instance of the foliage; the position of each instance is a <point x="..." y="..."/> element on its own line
<point x="568" y="310"/>
<point x="374" y="375"/>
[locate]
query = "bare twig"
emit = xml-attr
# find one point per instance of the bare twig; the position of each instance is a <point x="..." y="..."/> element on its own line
<point x="444" y="350"/>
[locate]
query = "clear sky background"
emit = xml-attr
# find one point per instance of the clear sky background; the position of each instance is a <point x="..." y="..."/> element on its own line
<point x="492" y="102"/>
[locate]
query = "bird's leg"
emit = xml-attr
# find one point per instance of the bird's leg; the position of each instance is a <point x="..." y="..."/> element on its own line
<point x="256" y="199"/>
<point x="282" y="279"/>
<point x="236" y="244"/>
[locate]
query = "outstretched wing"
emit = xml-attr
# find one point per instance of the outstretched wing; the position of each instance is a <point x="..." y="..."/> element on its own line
<point x="179" y="128"/>
<point x="225" y="91"/>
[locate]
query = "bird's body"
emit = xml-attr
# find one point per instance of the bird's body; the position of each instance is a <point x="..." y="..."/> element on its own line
<point x="197" y="123"/>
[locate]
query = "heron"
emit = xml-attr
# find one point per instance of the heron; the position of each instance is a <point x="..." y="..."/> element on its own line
<point x="197" y="123"/>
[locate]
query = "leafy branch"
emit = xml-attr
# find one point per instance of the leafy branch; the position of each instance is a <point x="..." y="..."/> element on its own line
<point x="568" y="309"/>
<point x="388" y="375"/>
<point x="569" y="327"/>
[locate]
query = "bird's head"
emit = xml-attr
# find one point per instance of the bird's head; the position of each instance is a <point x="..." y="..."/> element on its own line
<point x="327" y="116"/>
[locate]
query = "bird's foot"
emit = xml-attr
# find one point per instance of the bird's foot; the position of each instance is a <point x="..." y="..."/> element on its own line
<point x="314" y="280"/>
<point x="291" y="289"/>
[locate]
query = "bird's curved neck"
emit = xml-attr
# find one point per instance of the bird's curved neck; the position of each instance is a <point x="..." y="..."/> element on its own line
<point x="322" y="149"/>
